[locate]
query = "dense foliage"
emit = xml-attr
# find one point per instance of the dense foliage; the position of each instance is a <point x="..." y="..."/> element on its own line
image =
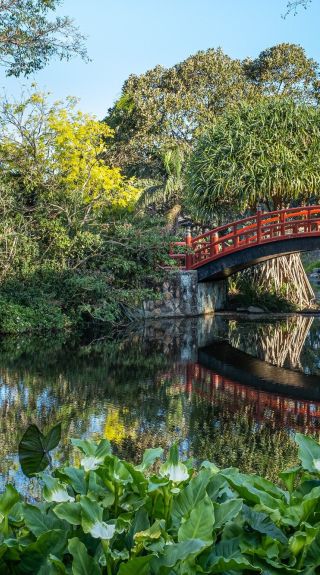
<point x="30" y="37"/>
<point x="267" y="153"/>
<point x="166" y="110"/>
<point x="108" y="516"/>
<point x="71" y="247"/>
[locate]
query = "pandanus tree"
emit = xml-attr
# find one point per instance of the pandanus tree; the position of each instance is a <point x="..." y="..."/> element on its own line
<point x="265" y="154"/>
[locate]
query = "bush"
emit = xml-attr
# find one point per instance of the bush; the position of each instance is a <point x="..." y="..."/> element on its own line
<point x="106" y="516"/>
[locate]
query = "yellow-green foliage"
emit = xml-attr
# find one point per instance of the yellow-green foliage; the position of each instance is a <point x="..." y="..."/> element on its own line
<point x="61" y="150"/>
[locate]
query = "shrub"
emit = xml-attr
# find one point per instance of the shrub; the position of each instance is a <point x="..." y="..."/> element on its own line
<point x="106" y="516"/>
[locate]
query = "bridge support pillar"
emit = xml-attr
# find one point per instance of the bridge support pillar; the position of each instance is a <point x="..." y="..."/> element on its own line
<point x="181" y="295"/>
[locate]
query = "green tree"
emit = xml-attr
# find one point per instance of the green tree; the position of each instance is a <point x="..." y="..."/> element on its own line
<point x="265" y="153"/>
<point x="30" y="37"/>
<point x="285" y="70"/>
<point x="167" y="108"/>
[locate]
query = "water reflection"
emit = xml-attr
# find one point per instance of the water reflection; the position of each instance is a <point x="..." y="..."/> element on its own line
<point x="279" y="343"/>
<point x="204" y="383"/>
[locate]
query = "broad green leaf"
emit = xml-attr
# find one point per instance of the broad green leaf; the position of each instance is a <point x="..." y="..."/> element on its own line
<point x="76" y="478"/>
<point x="35" y="558"/>
<point x="70" y="512"/>
<point x="136" y="566"/>
<point x="190" y="495"/>
<point x="289" y="477"/>
<point x="225" y="556"/>
<point x="39" y="520"/>
<point x="309" y="452"/>
<point x="262" y="523"/>
<point x="149" y="457"/>
<point x="178" y="552"/>
<point x="52" y="439"/>
<point x="247" y="490"/>
<point x="200" y="523"/>
<point x="34" y="449"/>
<point x="7" y="500"/>
<point x="85" y="445"/>
<point x="83" y="563"/>
<point x="224" y="512"/>
<point x="90" y="448"/>
<point x="237" y="563"/>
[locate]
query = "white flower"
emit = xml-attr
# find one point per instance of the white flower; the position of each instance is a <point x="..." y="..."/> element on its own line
<point x="101" y="530"/>
<point x="59" y="495"/>
<point x="91" y="463"/>
<point x="316" y="463"/>
<point x="176" y="473"/>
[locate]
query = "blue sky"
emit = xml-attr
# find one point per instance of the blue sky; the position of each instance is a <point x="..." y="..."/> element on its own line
<point x="131" y="36"/>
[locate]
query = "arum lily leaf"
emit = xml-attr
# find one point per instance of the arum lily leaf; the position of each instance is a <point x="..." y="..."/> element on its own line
<point x="200" y="523"/>
<point x="83" y="563"/>
<point x="7" y="500"/>
<point x="178" y="552"/>
<point x="149" y="457"/>
<point x="309" y="452"/>
<point x="262" y="523"/>
<point x="226" y="511"/>
<point x="34" y="449"/>
<point x="136" y="566"/>
<point x="39" y="521"/>
<point x="70" y="512"/>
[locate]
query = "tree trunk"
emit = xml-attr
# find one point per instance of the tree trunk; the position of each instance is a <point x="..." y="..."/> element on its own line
<point x="286" y="277"/>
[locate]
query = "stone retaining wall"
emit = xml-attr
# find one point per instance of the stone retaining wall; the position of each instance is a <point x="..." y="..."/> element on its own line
<point x="181" y="295"/>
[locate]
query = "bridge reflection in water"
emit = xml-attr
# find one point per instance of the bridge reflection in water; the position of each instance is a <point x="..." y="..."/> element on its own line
<point x="259" y="369"/>
<point x="284" y="411"/>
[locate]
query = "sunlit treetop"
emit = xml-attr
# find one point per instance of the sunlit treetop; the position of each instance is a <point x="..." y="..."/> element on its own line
<point x="56" y="152"/>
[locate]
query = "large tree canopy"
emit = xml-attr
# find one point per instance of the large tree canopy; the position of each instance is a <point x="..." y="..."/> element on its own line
<point x="165" y="109"/>
<point x="267" y="153"/>
<point x="30" y="37"/>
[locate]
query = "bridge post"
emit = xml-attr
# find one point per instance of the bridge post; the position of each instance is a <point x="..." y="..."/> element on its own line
<point x="258" y="217"/>
<point x="189" y="246"/>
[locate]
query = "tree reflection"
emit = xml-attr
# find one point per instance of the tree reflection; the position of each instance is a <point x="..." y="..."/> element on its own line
<point x="137" y="392"/>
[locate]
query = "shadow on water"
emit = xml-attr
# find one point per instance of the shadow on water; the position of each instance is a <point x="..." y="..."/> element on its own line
<point x="227" y="389"/>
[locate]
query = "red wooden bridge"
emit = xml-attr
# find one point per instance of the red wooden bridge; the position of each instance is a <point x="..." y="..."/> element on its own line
<point x="228" y="249"/>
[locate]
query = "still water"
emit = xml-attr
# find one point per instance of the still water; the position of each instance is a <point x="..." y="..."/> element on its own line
<point x="230" y="389"/>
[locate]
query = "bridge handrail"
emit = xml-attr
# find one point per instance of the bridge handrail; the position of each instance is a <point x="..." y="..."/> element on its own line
<point x="261" y="227"/>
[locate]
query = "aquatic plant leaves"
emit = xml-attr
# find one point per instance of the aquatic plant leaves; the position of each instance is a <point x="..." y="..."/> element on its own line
<point x="83" y="563"/>
<point x="117" y="518"/>
<point x="149" y="457"/>
<point x="200" y="523"/>
<point x="70" y="512"/>
<point x="309" y="452"/>
<point x="136" y="566"/>
<point x="39" y="520"/>
<point x="34" y="449"/>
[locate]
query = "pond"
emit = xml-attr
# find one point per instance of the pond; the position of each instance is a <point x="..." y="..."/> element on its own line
<point x="230" y="389"/>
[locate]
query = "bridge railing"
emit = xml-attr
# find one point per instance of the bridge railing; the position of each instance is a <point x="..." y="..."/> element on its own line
<point x="260" y="228"/>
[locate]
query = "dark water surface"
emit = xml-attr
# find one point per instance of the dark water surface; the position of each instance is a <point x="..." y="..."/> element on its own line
<point x="228" y="389"/>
